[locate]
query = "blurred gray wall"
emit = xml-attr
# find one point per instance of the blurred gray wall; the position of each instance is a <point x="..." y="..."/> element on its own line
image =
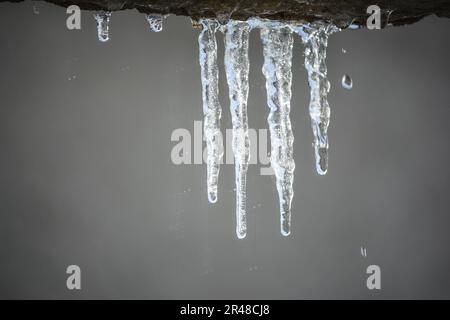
<point x="86" y="176"/>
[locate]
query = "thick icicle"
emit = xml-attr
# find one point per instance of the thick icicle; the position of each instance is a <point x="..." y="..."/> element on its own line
<point x="277" y="47"/>
<point x="102" y="19"/>
<point x="155" y="21"/>
<point x="315" y="38"/>
<point x="237" y="68"/>
<point x="211" y="106"/>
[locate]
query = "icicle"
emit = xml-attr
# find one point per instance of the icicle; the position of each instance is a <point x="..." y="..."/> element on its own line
<point x="102" y="19"/>
<point x="315" y="38"/>
<point x="155" y="21"/>
<point x="211" y="106"/>
<point x="237" y="67"/>
<point x="277" y="48"/>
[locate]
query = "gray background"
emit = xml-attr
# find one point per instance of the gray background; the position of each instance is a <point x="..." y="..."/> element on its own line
<point x="86" y="176"/>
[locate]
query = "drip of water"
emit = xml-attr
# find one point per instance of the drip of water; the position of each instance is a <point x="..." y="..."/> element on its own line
<point x="237" y="68"/>
<point x="102" y="19"/>
<point x="277" y="49"/>
<point x="347" y="82"/>
<point x="211" y="107"/>
<point x="315" y="37"/>
<point x="155" y="21"/>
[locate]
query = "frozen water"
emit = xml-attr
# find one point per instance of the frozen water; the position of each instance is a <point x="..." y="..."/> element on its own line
<point x="315" y="37"/>
<point x="277" y="40"/>
<point x="277" y="49"/>
<point x="102" y="19"/>
<point x="211" y="107"/>
<point x="347" y="82"/>
<point x="155" y="21"/>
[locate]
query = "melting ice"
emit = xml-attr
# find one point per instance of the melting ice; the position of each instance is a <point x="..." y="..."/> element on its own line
<point x="211" y="106"/>
<point x="155" y="21"/>
<point x="102" y="19"/>
<point x="315" y="38"/>
<point x="277" y="40"/>
<point x="237" y="68"/>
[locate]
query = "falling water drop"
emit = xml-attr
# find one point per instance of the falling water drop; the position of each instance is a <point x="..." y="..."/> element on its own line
<point x="155" y="21"/>
<point x="347" y="82"/>
<point x="102" y="19"/>
<point x="237" y="69"/>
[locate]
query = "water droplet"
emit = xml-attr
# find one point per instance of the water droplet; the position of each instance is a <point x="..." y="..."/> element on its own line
<point x="347" y="82"/>
<point x="364" y="252"/>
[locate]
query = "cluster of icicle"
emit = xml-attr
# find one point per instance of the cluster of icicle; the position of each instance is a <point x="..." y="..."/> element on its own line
<point x="102" y="18"/>
<point x="277" y="40"/>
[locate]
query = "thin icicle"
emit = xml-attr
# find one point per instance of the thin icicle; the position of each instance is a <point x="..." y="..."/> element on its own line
<point x="211" y="106"/>
<point x="237" y="67"/>
<point x="315" y="38"/>
<point x="277" y="48"/>
<point x="155" y="21"/>
<point x="102" y="19"/>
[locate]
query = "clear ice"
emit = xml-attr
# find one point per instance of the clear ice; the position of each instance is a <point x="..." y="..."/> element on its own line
<point x="155" y="21"/>
<point x="211" y="107"/>
<point x="102" y="19"/>
<point x="237" y="68"/>
<point x="315" y="37"/>
<point x="277" y="40"/>
<point x="277" y="49"/>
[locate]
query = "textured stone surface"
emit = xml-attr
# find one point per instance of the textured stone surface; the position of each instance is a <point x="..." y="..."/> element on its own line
<point x="341" y="12"/>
